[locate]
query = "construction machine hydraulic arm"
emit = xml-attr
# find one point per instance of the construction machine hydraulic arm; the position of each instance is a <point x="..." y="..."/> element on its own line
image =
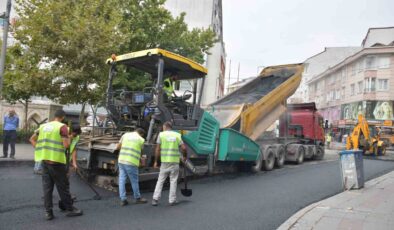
<point x="361" y="138"/>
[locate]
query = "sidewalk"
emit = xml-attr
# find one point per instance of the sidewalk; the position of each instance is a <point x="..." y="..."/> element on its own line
<point x="369" y="208"/>
<point x="23" y="153"/>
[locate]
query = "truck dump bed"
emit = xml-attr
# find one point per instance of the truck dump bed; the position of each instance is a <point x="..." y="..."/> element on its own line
<point x="252" y="108"/>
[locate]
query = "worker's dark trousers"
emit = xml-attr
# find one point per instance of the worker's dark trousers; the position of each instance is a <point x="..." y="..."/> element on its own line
<point x="56" y="174"/>
<point x="9" y="139"/>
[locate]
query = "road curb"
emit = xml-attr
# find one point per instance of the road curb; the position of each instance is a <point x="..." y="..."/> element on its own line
<point x="293" y="220"/>
<point x="13" y="163"/>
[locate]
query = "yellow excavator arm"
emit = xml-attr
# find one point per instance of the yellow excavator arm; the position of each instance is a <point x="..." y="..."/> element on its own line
<point x="361" y="138"/>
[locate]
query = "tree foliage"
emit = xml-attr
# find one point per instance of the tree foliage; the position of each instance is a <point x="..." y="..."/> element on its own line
<point x="23" y="78"/>
<point x="73" y="38"/>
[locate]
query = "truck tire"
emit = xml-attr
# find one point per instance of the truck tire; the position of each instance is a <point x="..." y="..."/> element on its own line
<point x="269" y="161"/>
<point x="257" y="165"/>
<point x="300" y="155"/>
<point x="280" y="156"/>
<point x="319" y="153"/>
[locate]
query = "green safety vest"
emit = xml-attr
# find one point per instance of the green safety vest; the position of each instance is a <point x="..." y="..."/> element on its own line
<point x="169" y="146"/>
<point x="50" y="143"/>
<point x="130" y="153"/>
<point x="73" y="144"/>
<point x="170" y="89"/>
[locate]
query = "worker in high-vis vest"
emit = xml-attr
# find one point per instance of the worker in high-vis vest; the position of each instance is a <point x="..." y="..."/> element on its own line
<point x="168" y="86"/>
<point x="74" y="139"/>
<point x="51" y="142"/>
<point x="130" y="146"/>
<point x="169" y="145"/>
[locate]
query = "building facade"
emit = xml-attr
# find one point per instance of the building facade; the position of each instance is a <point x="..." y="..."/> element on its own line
<point x="37" y="113"/>
<point x="361" y="84"/>
<point x="316" y="65"/>
<point x="206" y="14"/>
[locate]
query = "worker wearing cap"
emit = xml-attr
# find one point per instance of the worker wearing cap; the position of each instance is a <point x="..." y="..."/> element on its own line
<point x="50" y="144"/>
<point x="168" y="144"/>
<point x="130" y="146"/>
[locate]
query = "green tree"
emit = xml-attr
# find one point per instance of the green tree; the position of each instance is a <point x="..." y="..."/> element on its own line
<point x="23" y="78"/>
<point x="148" y="24"/>
<point x="74" y="38"/>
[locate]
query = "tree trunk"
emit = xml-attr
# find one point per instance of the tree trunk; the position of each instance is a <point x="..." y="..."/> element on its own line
<point x="25" y="104"/>
<point x="82" y="120"/>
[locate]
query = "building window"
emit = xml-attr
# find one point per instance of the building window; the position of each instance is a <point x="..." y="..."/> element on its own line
<point x="351" y="89"/>
<point x="370" y="84"/>
<point x="360" y="87"/>
<point x="370" y="62"/>
<point x="384" y="62"/>
<point x="353" y="69"/>
<point x="343" y="74"/>
<point x="383" y="84"/>
<point x="343" y="92"/>
<point x="360" y="66"/>
<point x="338" y="94"/>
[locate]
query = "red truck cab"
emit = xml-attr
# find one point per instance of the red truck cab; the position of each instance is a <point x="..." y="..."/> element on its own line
<point x="304" y="122"/>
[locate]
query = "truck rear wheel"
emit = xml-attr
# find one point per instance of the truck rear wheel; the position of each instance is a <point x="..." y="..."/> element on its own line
<point x="257" y="165"/>
<point x="269" y="160"/>
<point x="319" y="153"/>
<point x="280" y="156"/>
<point x="300" y="155"/>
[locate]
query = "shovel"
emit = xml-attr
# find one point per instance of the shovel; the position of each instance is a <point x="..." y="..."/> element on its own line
<point x="185" y="191"/>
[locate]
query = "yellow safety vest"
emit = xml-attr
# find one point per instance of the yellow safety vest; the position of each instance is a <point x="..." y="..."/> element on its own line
<point x="50" y="143"/>
<point x="169" y="146"/>
<point x="130" y="153"/>
<point x="168" y="89"/>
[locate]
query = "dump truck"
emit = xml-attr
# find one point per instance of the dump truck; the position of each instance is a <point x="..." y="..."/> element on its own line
<point x="226" y="136"/>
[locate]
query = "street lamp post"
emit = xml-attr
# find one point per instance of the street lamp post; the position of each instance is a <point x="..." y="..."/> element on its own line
<point x="6" y="17"/>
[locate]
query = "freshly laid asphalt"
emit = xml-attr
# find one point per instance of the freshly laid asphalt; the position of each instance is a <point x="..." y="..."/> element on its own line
<point x="237" y="201"/>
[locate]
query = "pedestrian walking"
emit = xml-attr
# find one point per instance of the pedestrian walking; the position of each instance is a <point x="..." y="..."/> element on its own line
<point x="328" y="139"/>
<point x="130" y="146"/>
<point x="50" y="144"/>
<point x="169" y="143"/>
<point x="10" y="125"/>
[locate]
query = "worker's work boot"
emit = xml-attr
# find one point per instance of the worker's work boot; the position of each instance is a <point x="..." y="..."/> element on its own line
<point x="155" y="202"/>
<point x="74" y="212"/>
<point x="141" y="201"/>
<point x="62" y="207"/>
<point x="173" y="203"/>
<point x="49" y="215"/>
<point x="123" y="203"/>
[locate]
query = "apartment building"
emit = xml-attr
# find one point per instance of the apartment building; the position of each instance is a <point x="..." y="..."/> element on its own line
<point x="361" y="84"/>
<point x="317" y="64"/>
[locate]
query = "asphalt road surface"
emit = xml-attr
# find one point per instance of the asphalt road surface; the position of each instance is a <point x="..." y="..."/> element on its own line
<point x="241" y="201"/>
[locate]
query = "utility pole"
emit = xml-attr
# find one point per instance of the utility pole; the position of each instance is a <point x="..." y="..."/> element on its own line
<point x="6" y="17"/>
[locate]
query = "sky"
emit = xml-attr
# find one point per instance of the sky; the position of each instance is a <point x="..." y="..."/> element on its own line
<point x="269" y="32"/>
